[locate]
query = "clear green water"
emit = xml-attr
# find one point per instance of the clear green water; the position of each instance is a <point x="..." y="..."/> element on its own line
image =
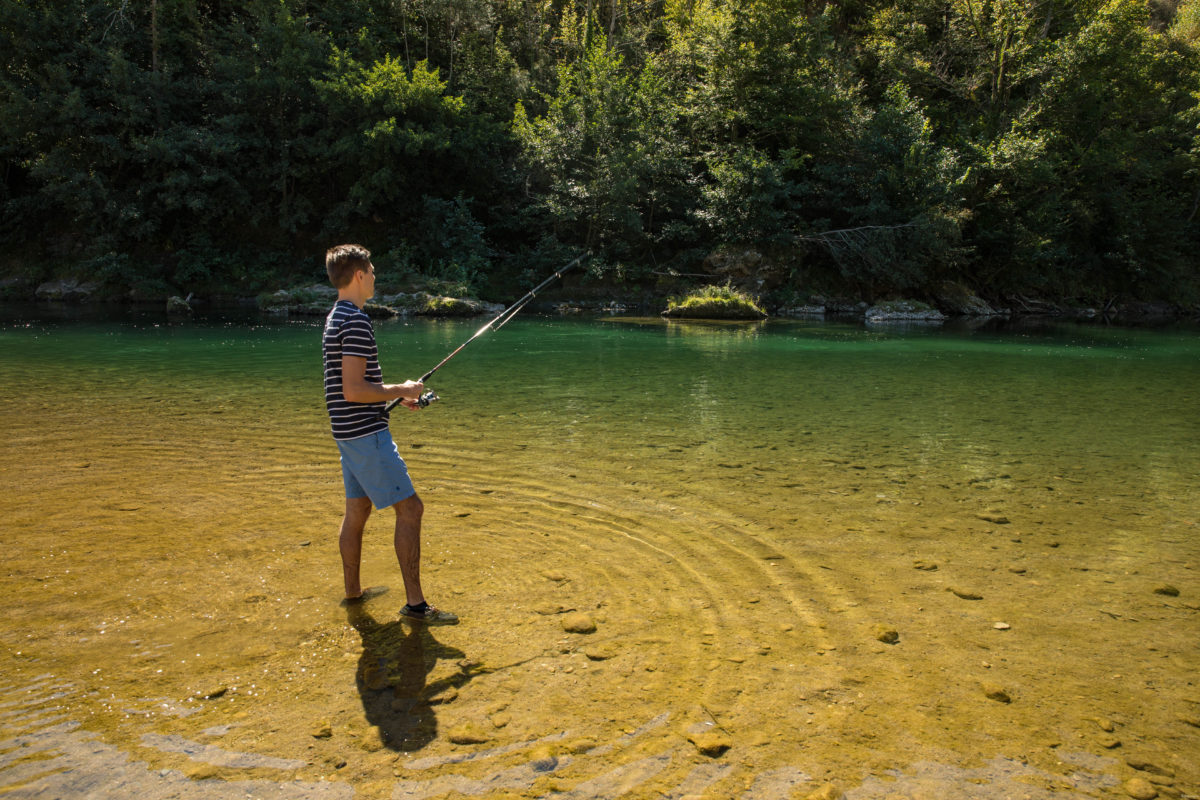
<point x="739" y="508"/>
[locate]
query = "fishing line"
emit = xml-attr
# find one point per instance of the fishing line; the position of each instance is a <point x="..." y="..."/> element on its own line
<point x="495" y="324"/>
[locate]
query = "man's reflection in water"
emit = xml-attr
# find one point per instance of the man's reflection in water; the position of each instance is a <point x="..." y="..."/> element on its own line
<point x="391" y="677"/>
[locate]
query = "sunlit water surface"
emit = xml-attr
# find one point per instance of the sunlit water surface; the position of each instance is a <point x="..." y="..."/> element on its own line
<point x="908" y="562"/>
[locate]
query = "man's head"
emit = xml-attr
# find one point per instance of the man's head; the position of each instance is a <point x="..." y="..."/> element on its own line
<point x="343" y="261"/>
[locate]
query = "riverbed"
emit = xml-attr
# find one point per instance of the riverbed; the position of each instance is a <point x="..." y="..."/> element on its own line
<point x="741" y="560"/>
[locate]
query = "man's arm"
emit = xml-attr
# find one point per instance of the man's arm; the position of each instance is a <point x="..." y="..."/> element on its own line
<point x="357" y="389"/>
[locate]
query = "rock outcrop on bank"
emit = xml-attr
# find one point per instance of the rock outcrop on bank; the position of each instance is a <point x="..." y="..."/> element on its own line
<point x="950" y="301"/>
<point x="317" y="299"/>
<point x="903" y="311"/>
<point x="67" y="290"/>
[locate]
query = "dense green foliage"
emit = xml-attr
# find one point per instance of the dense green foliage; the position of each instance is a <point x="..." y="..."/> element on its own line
<point x="869" y="148"/>
<point x="714" y="302"/>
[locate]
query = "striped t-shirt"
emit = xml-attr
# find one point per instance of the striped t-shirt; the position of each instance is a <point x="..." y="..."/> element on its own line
<point x="348" y="332"/>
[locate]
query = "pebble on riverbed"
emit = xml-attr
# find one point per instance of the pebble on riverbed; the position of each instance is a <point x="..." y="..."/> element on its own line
<point x="886" y="635"/>
<point x="965" y="594"/>
<point x="1140" y="789"/>
<point x="468" y="733"/>
<point x="578" y="622"/>
<point x="711" y="743"/>
<point x="1142" y="765"/>
<point x="441" y="695"/>
<point x="996" y="692"/>
<point x="372" y="739"/>
<point x="201" y="772"/>
<point x="1167" y="590"/>
<point x="600" y="652"/>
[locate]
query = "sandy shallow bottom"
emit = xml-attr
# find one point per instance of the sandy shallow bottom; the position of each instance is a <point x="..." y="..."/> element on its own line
<point x="770" y="619"/>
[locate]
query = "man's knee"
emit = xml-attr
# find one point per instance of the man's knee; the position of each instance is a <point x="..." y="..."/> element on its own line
<point x="358" y="507"/>
<point x="410" y="507"/>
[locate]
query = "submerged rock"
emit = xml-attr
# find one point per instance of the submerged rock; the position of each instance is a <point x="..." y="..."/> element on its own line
<point x="1142" y="765"/>
<point x="711" y="743"/>
<point x="543" y="759"/>
<point x="886" y="635"/>
<point x="1140" y="789"/>
<point x="201" y="772"/>
<point x="468" y="733"/>
<point x="827" y="792"/>
<point x="600" y="652"/>
<point x="441" y="695"/>
<point x="578" y="622"/>
<point x="372" y="739"/>
<point x="549" y="609"/>
<point x="993" y="691"/>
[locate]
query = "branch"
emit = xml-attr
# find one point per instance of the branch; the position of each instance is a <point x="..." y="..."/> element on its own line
<point x="821" y="237"/>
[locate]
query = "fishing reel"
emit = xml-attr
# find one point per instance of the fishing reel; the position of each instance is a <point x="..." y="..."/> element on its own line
<point x="427" y="398"/>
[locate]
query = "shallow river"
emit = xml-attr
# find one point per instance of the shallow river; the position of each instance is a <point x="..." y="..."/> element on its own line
<point x="904" y="562"/>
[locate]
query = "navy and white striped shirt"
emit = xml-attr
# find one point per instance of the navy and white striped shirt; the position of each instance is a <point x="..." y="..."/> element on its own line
<point x="348" y="332"/>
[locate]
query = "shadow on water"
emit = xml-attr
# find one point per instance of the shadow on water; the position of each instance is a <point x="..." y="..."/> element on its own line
<point x="392" y="678"/>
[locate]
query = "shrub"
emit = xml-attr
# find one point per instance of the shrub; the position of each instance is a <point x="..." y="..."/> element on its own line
<point x="714" y="302"/>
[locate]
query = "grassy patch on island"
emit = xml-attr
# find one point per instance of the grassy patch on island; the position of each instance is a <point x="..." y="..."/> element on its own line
<point x="714" y="302"/>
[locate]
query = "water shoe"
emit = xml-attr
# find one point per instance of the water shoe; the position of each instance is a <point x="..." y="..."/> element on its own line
<point x="429" y="615"/>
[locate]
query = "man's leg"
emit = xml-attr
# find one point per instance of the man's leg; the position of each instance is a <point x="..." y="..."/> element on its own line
<point x="358" y="510"/>
<point x="408" y="546"/>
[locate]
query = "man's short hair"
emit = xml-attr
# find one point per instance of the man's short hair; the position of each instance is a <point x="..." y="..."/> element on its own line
<point x="342" y="261"/>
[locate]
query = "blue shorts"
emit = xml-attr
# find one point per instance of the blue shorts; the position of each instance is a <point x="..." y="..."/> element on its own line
<point x="372" y="467"/>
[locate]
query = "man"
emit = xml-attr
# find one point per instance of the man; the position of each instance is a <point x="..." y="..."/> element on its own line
<point x="372" y="470"/>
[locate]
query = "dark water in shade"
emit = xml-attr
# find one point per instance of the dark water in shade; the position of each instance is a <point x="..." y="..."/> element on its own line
<point x="739" y="507"/>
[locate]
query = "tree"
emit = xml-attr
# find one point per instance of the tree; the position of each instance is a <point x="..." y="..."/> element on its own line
<point x="603" y="153"/>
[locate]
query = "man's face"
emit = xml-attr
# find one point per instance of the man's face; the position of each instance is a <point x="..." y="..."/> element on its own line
<point x="369" y="280"/>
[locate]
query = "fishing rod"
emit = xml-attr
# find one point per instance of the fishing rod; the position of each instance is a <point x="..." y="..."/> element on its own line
<point x="495" y="324"/>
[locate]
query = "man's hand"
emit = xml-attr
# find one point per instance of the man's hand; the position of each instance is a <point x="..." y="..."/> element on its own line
<point x="412" y="393"/>
<point x="412" y="389"/>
